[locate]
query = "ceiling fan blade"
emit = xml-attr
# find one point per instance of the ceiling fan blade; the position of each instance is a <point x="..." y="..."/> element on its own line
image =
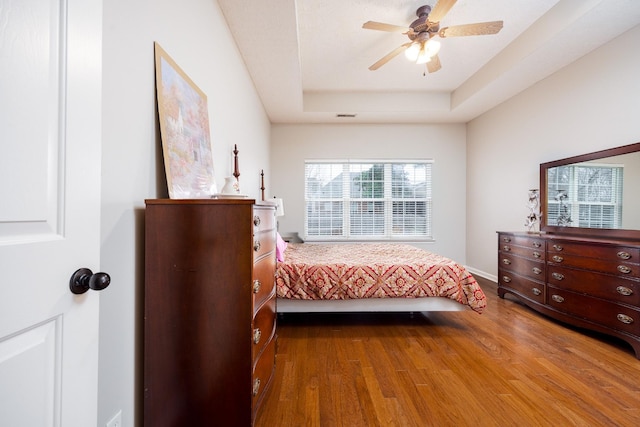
<point x="434" y="64"/>
<point x="440" y="10"/>
<point x="478" y="29"/>
<point x="388" y="57"/>
<point x="371" y="25"/>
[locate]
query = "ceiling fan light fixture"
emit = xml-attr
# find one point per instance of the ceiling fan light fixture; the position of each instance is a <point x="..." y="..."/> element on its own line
<point x="413" y="51"/>
<point x="423" y="57"/>
<point x="432" y="47"/>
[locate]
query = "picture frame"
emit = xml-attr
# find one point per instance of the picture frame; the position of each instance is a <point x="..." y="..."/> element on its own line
<point x="184" y="129"/>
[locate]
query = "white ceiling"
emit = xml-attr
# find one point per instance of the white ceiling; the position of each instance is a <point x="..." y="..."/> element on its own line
<point x="309" y="59"/>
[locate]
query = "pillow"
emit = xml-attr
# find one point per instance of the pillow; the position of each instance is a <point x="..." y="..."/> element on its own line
<point x="281" y="246"/>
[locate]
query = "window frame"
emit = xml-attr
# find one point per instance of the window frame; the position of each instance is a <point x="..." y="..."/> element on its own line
<point x="390" y="223"/>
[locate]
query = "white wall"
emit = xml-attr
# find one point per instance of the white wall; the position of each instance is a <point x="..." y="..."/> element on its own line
<point x="195" y="35"/>
<point x="590" y="105"/>
<point x="292" y="144"/>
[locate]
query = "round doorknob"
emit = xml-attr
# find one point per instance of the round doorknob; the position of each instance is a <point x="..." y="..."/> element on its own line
<point x="84" y="279"/>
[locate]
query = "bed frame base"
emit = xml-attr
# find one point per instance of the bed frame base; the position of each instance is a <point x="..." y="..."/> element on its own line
<point x="370" y="304"/>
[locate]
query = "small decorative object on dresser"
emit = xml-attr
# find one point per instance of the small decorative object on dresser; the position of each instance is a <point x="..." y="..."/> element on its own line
<point x="534" y="209"/>
<point x="209" y="311"/>
<point x="230" y="186"/>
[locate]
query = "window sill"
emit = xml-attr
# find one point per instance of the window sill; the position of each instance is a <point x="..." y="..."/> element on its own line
<point x="308" y="239"/>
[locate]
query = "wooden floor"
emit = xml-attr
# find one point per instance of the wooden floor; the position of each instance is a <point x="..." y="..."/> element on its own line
<point x="506" y="367"/>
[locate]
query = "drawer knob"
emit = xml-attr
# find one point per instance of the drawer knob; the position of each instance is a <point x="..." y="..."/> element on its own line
<point x="536" y="270"/>
<point x="256" y="245"/>
<point x="627" y="320"/>
<point x="536" y="254"/>
<point x="558" y="248"/>
<point x="624" y="255"/>
<point x="506" y="261"/>
<point x="506" y="239"/>
<point x="557" y="298"/>
<point x="557" y="258"/>
<point x="506" y="248"/>
<point x="256" y="335"/>
<point x="557" y="276"/>
<point x="624" y="269"/>
<point x="506" y="279"/>
<point x="623" y="290"/>
<point x="256" y="386"/>
<point x="256" y="220"/>
<point x="256" y="286"/>
<point x="537" y="244"/>
<point x="536" y="291"/>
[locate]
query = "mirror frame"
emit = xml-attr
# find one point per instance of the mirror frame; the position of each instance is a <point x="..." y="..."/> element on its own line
<point x="599" y="232"/>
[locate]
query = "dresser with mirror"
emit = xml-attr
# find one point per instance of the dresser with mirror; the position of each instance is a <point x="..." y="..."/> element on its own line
<point x="583" y="267"/>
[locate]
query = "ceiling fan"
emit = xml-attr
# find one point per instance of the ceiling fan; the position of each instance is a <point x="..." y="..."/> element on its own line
<point x="422" y="47"/>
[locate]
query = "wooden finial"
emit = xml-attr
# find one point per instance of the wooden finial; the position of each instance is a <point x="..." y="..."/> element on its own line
<point x="262" y="182"/>
<point x="236" y="171"/>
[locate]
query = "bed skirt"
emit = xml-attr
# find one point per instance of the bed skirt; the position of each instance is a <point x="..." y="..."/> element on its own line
<point x="369" y="305"/>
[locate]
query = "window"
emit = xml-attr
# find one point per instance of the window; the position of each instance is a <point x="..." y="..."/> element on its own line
<point x="368" y="200"/>
<point x="594" y="199"/>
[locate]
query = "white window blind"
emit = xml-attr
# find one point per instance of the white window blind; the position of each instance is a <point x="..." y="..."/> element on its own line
<point x="593" y="195"/>
<point x="368" y="199"/>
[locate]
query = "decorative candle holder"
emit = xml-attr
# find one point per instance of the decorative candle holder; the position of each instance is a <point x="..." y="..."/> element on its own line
<point x="534" y="210"/>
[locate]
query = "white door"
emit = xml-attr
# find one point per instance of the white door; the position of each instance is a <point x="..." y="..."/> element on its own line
<point x="50" y="138"/>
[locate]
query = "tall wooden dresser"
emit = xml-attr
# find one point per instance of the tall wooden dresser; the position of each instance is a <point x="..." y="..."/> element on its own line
<point x="593" y="283"/>
<point x="209" y="311"/>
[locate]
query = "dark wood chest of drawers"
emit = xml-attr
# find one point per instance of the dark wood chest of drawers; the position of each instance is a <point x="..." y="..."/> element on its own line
<point x="586" y="282"/>
<point x="210" y="304"/>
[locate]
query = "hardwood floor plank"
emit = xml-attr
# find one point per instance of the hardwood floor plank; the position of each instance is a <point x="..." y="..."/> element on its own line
<point x="378" y="399"/>
<point x="312" y="406"/>
<point x="414" y="406"/>
<point x="366" y="404"/>
<point x="509" y="366"/>
<point x="340" y="402"/>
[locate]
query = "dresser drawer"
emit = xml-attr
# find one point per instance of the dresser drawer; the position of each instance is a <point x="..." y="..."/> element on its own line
<point x="606" y="313"/>
<point x="601" y="252"/>
<point x="604" y="265"/>
<point x="263" y="373"/>
<point x="264" y="243"/>
<point x="263" y="284"/>
<point x="523" y="286"/>
<point x="522" y="266"/>
<point x="263" y="219"/>
<point x="523" y="251"/>
<point x="263" y="327"/>
<point x="611" y="288"/>
<point x="525" y="241"/>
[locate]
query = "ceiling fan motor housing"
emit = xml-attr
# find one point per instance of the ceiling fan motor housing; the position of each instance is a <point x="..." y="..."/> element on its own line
<point x="421" y="24"/>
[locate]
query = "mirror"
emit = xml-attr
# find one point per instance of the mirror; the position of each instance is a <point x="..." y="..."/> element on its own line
<point x="594" y="194"/>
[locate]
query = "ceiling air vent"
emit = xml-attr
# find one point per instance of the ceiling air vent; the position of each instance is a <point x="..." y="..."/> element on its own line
<point x="349" y="116"/>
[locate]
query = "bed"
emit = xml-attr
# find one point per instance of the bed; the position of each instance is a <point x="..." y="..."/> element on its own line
<point x="320" y="277"/>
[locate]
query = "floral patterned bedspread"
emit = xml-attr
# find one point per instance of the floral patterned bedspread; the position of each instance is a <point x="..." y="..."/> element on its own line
<point x="373" y="270"/>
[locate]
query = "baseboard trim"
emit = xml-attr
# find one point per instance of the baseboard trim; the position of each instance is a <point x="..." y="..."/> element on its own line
<point x="483" y="274"/>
